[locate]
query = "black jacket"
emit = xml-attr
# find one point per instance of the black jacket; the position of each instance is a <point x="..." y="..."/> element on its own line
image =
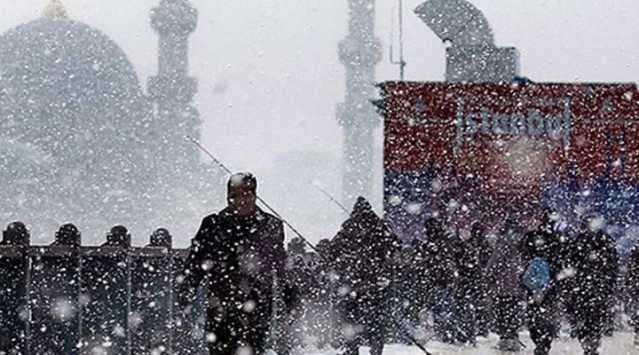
<point x="364" y="248"/>
<point x="548" y="244"/>
<point x="596" y="262"/>
<point x="437" y="254"/>
<point x="632" y="277"/>
<point x="241" y="257"/>
<point x="471" y="257"/>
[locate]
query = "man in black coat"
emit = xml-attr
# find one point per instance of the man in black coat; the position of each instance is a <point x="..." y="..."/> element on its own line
<point x="241" y="249"/>
<point x="547" y="243"/>
<point x="596" y="263"/>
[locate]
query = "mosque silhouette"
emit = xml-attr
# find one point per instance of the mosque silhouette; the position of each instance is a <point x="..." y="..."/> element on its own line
<point x="81" y="142"/>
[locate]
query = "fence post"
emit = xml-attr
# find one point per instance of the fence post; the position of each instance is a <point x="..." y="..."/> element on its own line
<point x="188" y="329"/>
<point x="150" y="320"/>
<point x="54" y="299"/>
<point x="14" y="278"/>
<point x="105" y="294"/>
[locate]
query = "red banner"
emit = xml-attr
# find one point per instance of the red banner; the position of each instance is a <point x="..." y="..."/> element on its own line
<point x="513" y="136"/>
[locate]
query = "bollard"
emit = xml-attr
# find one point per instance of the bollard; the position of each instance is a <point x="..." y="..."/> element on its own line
<point x="54" y="294"/>
<point x="188" y="329"/>
<point x="54" y="299"/>
<point x="151" y="312"/>
<point x="14" y="278"/>
<point x="112" y="299"/>
<point x="105" y="293"/>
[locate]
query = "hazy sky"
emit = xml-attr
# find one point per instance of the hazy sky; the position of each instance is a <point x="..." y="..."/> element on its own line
<point x="278" y="58"/>
<point x="269" y="75"/>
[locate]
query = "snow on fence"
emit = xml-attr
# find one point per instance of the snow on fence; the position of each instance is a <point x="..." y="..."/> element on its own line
<point x="65" y="299"/>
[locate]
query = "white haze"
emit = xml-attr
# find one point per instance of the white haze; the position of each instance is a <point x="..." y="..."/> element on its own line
<point x="269" y="75"/>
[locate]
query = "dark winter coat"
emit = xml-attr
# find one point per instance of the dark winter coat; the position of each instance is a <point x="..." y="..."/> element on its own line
<point x="437" y="259"/>
<point x="632" y="277"/>
<point x="471" y="257"/>
<point x="596" y="262"/>
<point x="241" y="256"/>
<point x="505" y="267"/>
<point x="301" y="271"/>
<point x="548" y="244"/>
<point x="364" y="248"/>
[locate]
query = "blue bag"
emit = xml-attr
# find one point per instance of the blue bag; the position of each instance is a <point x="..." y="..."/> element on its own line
<point x="537" y="274"/>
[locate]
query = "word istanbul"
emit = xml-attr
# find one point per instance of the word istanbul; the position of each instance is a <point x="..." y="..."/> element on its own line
<point x="533" y="123"/>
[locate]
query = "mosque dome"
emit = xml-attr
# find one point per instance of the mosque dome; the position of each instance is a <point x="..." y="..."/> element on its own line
<point x="80" y="141"/>
<point x="69" y="94"/>
<point x="70" y="90"/>
<point x="57" y="55"/>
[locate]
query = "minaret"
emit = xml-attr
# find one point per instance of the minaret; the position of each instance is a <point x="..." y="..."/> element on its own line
<point x="360" y="51"/>
<point x="173" y="90"/>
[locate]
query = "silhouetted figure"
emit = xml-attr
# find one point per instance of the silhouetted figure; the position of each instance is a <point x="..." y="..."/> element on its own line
<point x="301" y="277"/>
<point x="241" y="250"/>
<point x="632" y="287"/>
<point x="440" y="276"/>
<point x="542" y="311"/>
<point x="471" y="257"/>
<point x="327" y="298"/>
<point x="596" y="263"/>
<point x="364" y="247"/>
<point x="411" y="276"/>
<point x="504" y="285"/>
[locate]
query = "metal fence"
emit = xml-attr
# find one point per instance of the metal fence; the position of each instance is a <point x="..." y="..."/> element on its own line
<point x="115" y="299"/>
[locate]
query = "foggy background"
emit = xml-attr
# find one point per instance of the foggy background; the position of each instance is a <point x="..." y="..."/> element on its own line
<point x="270" y="77"/>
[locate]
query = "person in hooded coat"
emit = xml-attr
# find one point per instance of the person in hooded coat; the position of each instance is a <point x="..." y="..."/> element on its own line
<point x="364" y="247"/>
<point x="505" y="288"/>
<point x="596" y="263"/>
<point x="440" y="276"/>
<point x="241" y="250"/>
<point x="542" y="309"/>
<point x="471" y="257"/>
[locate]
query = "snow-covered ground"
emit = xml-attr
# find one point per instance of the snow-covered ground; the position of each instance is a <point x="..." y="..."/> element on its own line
<point x="620" y="344"/>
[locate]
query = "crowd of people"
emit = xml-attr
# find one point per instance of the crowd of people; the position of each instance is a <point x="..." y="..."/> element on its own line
<point x="366" y="286"/>
<point x="374" y="288"/>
